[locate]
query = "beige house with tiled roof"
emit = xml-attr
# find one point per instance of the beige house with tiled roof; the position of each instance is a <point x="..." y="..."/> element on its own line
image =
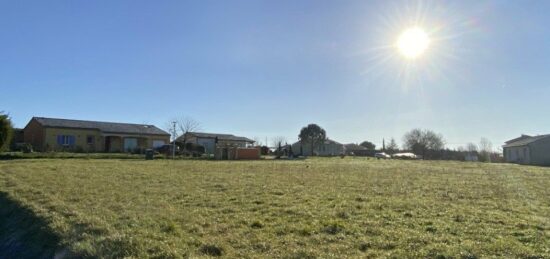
<point x="52" y="134"/>
<point x="212" y="140"/>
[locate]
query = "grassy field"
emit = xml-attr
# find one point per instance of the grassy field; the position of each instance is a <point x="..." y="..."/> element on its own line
<point x="315" y="208"/>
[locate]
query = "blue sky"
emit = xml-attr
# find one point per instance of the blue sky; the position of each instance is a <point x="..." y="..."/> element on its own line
<point x="268" y="68"/>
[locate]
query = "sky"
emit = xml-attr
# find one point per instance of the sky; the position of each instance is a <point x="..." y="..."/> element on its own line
<point x="268" y="68"/>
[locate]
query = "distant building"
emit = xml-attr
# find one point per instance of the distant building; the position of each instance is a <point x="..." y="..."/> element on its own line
<point x="471" y="157"/>
<point x="529" y="150"/>
<point x="327" y="148"/>
<point x="212" y="140"/>
<point x="50" y="134"/>
<point x="357" y="150"/>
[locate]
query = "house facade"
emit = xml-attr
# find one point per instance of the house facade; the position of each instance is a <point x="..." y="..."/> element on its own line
<point x="327" y="148"/>
<point x="52" y="134"/>
<point x="528" y="150"/>
<point x="211" y="141"/>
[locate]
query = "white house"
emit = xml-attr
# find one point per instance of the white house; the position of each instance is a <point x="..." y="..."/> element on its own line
<point x="531" y="150"/>
<point x="212" y="140"/>
<point x="327" y="148"/>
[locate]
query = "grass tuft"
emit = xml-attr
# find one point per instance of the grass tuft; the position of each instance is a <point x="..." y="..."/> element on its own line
<point x="211" y="250"/>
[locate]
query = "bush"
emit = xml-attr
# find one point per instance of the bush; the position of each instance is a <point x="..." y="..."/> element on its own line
<point x="22" y="147"/>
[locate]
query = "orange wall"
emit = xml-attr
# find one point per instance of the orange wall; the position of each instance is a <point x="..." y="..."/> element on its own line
<point x="248" y="153"/>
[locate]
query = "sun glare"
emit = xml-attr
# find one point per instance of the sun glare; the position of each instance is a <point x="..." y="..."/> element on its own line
<point x="413" y="42"/>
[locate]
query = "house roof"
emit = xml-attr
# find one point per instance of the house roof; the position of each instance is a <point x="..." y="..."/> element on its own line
<point x="229" y="137"/>
<point x="110" y="127"/>
<point x="525" y="140"/>
<point x="523" y="136"/>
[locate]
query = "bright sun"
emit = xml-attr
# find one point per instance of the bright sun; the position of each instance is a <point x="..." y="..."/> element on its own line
<point x="413" y="42"/>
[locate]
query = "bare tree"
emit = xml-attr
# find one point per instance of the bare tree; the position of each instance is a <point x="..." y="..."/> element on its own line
<point x="183" y="125"/>
<point x="257" y="141"/>
<point x="471" y="148"/>
<point x="485" y="148"/>
<point x="186" y="125"/>
<point x="420" y="141"/>
<point x="277" y="142"/>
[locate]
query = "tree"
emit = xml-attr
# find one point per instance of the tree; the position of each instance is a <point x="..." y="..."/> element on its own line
<point x="485" y="148"/>
<point x="392" y="147"/>
<point x="184" y="125"/>
<point x="368" y="145"/>
<point x="6" y="131"/>
<point x="277" y="143"/>
<point x="471" y="148"/>
<point x="420" y="141"/>
<point x="257" y="141"/>
<point x="312" y="134"/>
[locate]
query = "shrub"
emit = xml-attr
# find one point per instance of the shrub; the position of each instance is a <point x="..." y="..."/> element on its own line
<point x="6" y="131"/>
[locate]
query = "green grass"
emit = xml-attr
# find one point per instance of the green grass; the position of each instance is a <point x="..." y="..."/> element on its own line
<point x="70" y="155"/>
<point x="315" y="208"/>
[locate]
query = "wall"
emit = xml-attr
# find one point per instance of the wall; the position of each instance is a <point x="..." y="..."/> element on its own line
<point x="247" y="153"/>
<point x="150" y="139"/>
<point x="540" y="152"/>
<point x="50" y="143"/>
<point x="209" y="144"/>
<point x="34" y="135"/>
<point x="331" y="149"/>
<point x="518" y="154"/>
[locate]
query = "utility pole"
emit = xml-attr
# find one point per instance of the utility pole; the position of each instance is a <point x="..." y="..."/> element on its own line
<point x="174" y="142"/>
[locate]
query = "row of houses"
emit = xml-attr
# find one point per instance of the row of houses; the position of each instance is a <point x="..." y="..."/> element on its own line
<point x="53" y="134"/>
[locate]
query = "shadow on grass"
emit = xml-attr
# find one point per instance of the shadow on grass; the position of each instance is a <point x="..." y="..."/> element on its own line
<point x="22" y="234"/>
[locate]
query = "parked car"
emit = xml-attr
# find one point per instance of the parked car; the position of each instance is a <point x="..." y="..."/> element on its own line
<point x="382" y="155"/>
<point x="166" y="149"/>
<point x="405" y="156"/>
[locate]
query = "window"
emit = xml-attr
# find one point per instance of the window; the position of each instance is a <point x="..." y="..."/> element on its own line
<point x="90" y="140"/>
<point x="65" y="140"/>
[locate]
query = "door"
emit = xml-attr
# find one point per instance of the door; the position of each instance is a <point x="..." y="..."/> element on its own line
<point x="107" y="144"/>
<point x="225" y="154"/>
